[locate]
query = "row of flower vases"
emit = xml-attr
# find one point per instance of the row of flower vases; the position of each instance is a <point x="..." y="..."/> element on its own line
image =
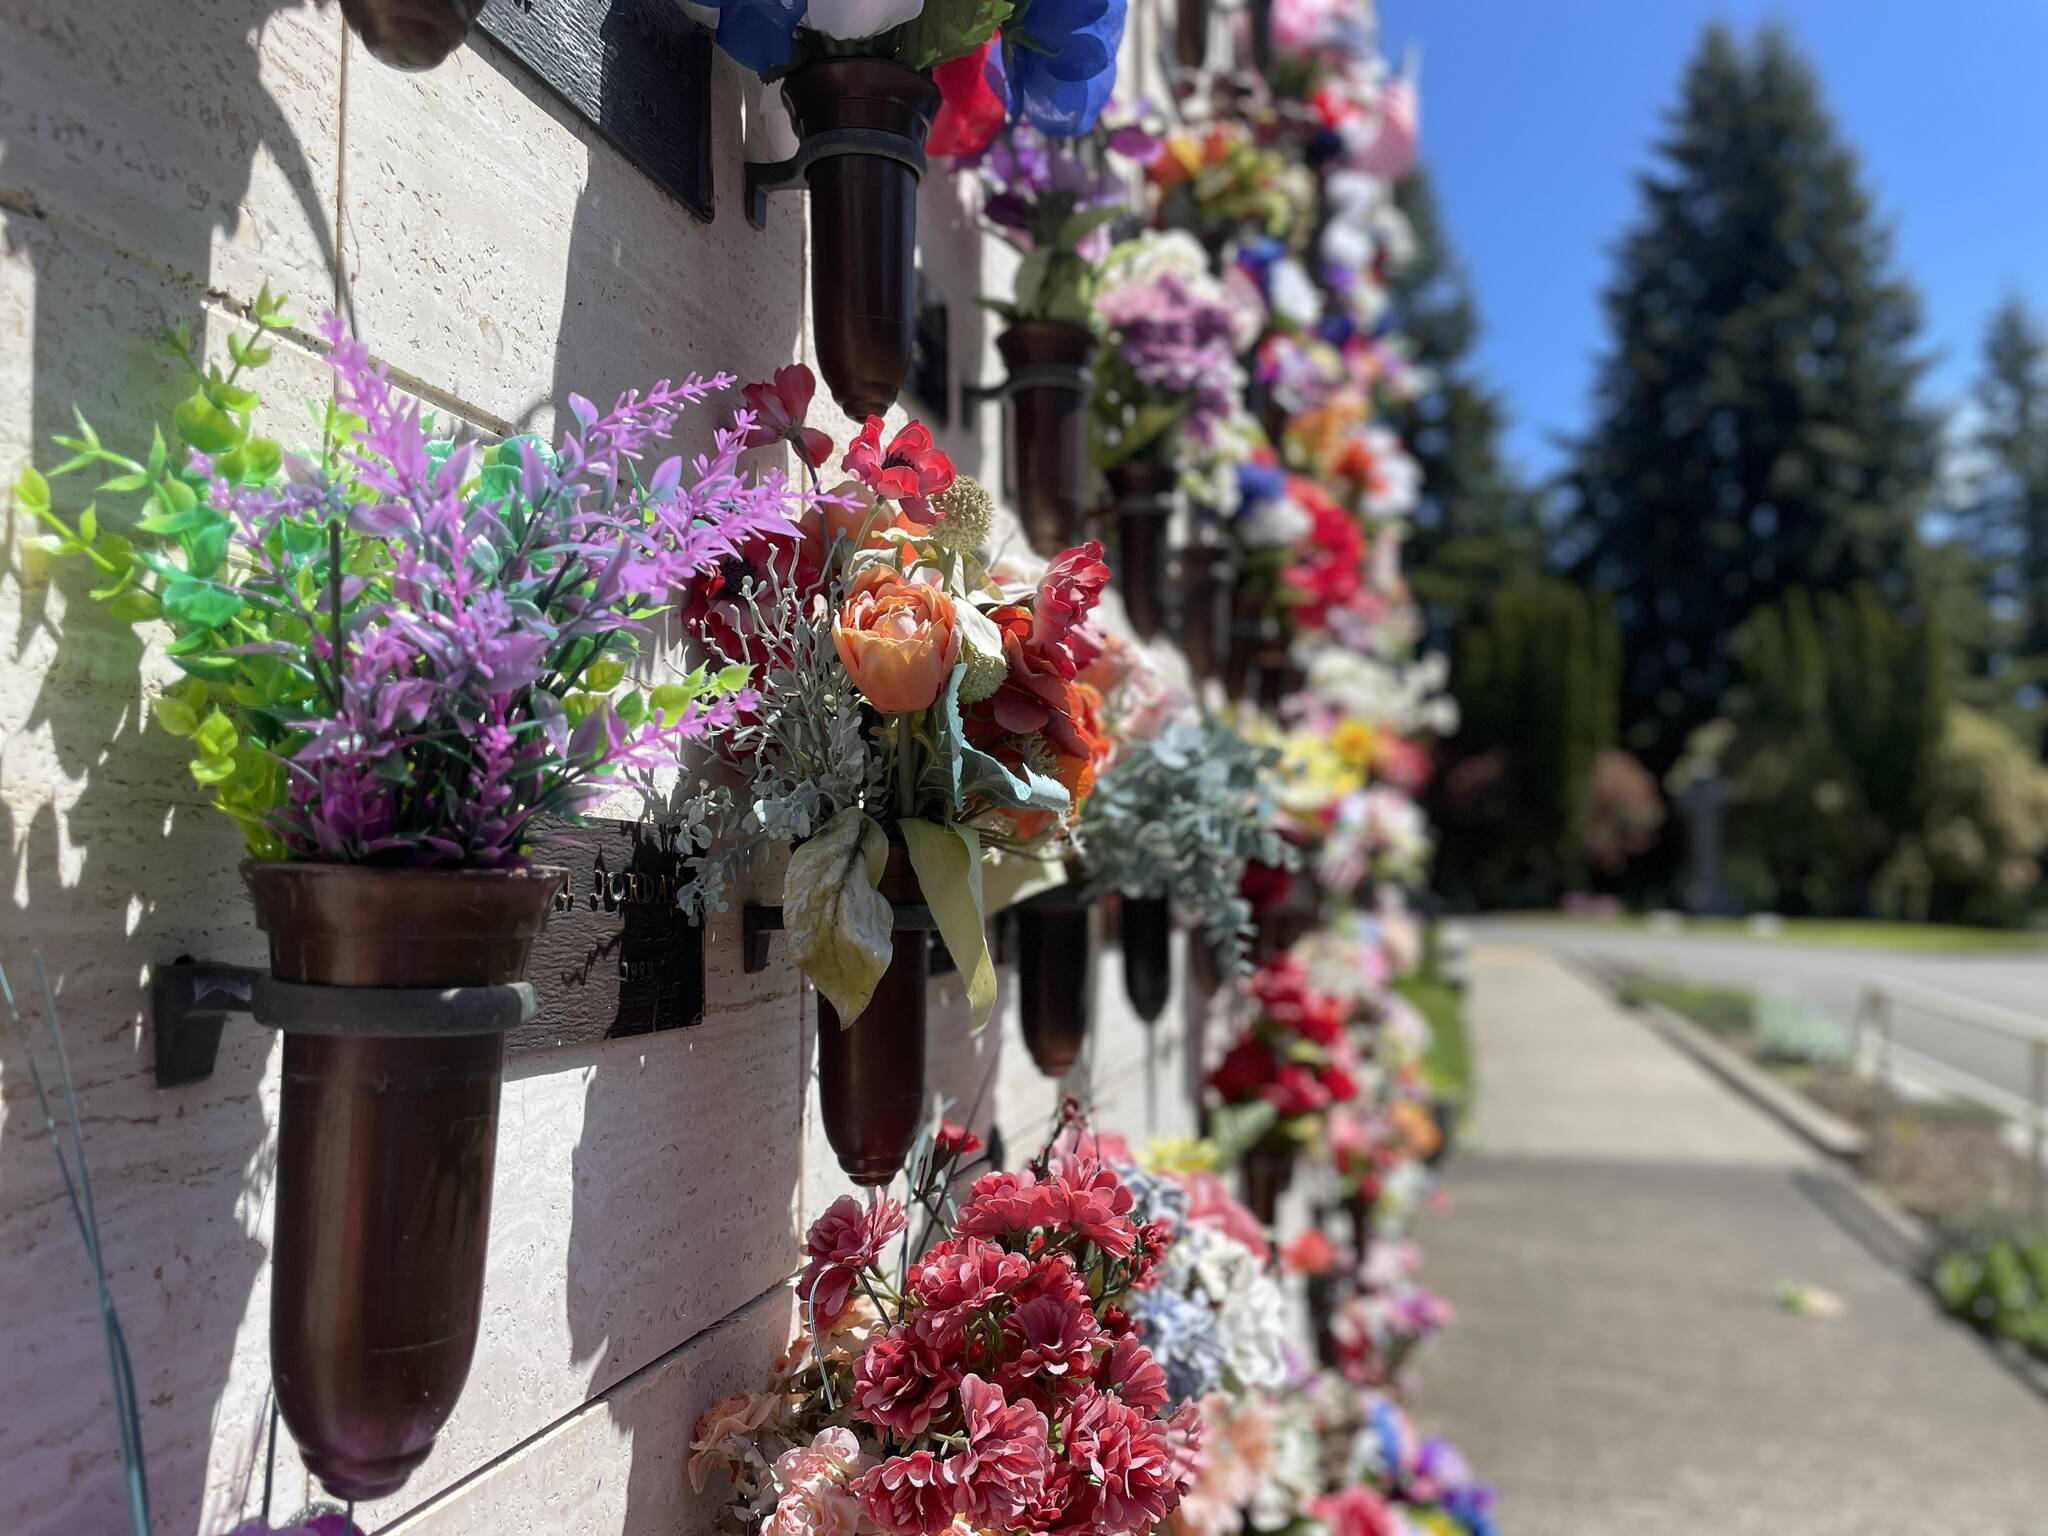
<point x="377" y="1293"/>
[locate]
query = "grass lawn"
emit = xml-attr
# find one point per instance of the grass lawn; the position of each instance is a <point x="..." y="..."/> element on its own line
<point x="1449" y="1064"/>
<point x="1723" y="1010"/>
<point x="1849" y="933"/>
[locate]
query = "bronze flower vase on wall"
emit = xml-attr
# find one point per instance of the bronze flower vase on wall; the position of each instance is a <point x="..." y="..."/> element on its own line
<point x="1190" y="33"/>
<point x="1050" y="376"/>
<point x="385" y="1148"/>
<point x="1146" y="925"/>
<point x="871" y="1071"/>
<point x="1055" y="975"/>
<point x="1265" y="1173"/>
<point x="1144" y="508"/>
<point x="1208" y="597"/>
<point x="1363" y="1206"/>
<point x="862" y="125"/>
<point x="411" y="34"/>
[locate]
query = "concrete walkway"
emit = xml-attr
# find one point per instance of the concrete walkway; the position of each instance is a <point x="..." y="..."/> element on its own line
<point x="1619" y="1366"/>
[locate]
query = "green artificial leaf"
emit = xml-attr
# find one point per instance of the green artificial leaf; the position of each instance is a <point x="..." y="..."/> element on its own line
<point x="201" y="603"/>
<point x="207" y="549"/>
<point x="730" y="679"/>
<point x="175" y="715"/>
<point x="88" y="525"/>
<point x="839" y="925"/>
<point x="213" y="770"/>
<point x="205" y="425"/>
<point x="232" y="397"/>
<point x="947" y="29"/>
<point x="215" y="735"/>
<point x="1083" y="222"/>
<point x="672" y="699"/>
<point x="974" y="772"/>
<point x="31" y="490"/>
<point x="1236" y="1128"/>
<point x="604" y="676"/>
<point x="134" y="606"/>
<point x="948" y="865"/>
<point x="1031" y="275"/>
<point x="262" y="458"/>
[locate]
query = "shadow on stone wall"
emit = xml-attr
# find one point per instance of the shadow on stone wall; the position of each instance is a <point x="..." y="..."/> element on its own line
<point x="135" y="869"/>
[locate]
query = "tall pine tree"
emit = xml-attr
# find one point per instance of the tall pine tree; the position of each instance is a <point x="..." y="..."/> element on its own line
<point x="1474" y="530"/>
<point x="1756" y="423"/>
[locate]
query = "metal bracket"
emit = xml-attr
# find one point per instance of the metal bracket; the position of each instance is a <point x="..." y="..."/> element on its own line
<point x="765" y="176"/>
<point x="190" y="1000"/>
<point x="758" y="921"/>
<point x="1073" y="376"/>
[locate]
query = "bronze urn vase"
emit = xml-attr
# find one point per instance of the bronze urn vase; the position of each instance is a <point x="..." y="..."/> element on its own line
<point x="872" y="115"/>
<point x="1143" y="507"/>
<point x="1049" y="379"/>
<point x="1265" y="1173"/>
<point x="385" y="1150"/>
<point x="1146" y="929"/>
<point x="871" y="1068"/>
<point x="1055" y="974"/>
<point x="411" y="34"/>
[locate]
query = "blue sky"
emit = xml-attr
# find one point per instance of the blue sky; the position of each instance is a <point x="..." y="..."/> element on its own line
<point x="1537" y="114"/>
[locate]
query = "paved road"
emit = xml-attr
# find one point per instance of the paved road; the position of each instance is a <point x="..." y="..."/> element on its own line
<point x="1831" y="976"/>
<point x="1618" y="1226"/>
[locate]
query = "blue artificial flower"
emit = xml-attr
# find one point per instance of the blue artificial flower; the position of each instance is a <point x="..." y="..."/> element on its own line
<point x="1259" y="482"/>
<point x="760" y="34"/>
<point x="1184" y="1339"/>
<point x="1060" y="56"/>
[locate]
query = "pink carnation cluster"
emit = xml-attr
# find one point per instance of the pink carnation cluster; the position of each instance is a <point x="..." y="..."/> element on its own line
<point x="1021" y="1400"/>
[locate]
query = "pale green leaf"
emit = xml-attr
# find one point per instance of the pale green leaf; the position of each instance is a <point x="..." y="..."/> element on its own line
<point x="839" y="925"/>
<point x="948" y="865"/>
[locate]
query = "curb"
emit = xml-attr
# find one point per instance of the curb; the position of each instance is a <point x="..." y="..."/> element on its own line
<point x="1829" y="1133"/>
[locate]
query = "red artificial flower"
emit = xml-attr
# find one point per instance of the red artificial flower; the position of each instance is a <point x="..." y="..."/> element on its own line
<point x="779" y="409"/>
<point x="1098" y="1207"/>
<point x="1130" y="1475"/>
<point x="1265" y="886"/>
<point x="1048" y="1341"/>
<point x="714" y="603"/>
<point x="899" y="1383"/>
<point x="1355" y="1511"/>
<point x="1338" y="1082"/>
<point x="911" y="469"/>
<point x="999" y="1204"/>
<point x="1295" y="1090"/>
<point x="953" y="1144"/>
<point x="845" y="1239"/>
<point x="1000" y="1473"/>
<point x="1067" y="594"/>
<point x="1245" y="1069"/>
<point x="965" y="1274"/>
<point x="1034" y="699"/>
<point x="907" y="1495"/>
<point x="972" y="103"/>
<point x="1312" y="1253"/>
<point x="1132" y="1374"/>
<point x="1329" y="571"/>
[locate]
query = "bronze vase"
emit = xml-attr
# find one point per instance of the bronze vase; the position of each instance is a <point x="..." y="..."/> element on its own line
<point x="871" y="1072"/>
<point x="385" y="1145"/>
<point x="1049" y="429"/>
<point x="1190" y="33"/>
<point x="1054" y="974"/>
<point x="1147" y="934"/>
<point x="1208" y="595"/>
<point x="1362" y="1205"/>
<point x="863" y="225"/>
<point x="411" y="34"/>
<point x="1265" y="1173"/>
<point x="1143" y="508"/>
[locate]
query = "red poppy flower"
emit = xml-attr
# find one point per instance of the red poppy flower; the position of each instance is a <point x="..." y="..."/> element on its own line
<point x="971" y="104"/>
<point x="779" y="409"/>
<point x="912" y="468"/>
<point x="1067" y="594"/>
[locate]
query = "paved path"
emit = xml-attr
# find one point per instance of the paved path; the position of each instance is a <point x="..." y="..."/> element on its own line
<point x="1619" y="1365"/>
<point x="1829" y="975"/>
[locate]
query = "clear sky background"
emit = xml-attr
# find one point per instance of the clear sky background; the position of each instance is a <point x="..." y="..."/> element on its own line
<point x="1538" y="114"/>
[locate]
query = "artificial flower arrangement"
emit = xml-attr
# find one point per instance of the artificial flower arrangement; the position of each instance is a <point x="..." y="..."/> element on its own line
<point x="1290" y="1065"/>
<point x="1379" y="1327"/>
<point x="919" y="705"/>
<point x="1177" y="817"/>
<point x="398" y="652"/>
<point x="993" y="1380"/>
<point x="1221" y="183"/>
<point x="1383" y="1477"/>
<point x="1170" y="388"/>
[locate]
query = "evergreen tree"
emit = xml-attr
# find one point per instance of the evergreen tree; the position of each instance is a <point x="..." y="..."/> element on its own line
<point x="1536" y="672"/>
<point x="1756" y="422"/>
<point x="1999" y="564"/>
<point x="1474" y="530"/>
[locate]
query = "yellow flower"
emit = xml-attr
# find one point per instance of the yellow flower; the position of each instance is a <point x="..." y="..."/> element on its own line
<point x="1353" y="742"/>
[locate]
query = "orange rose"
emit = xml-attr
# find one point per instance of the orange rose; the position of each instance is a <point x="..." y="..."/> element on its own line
<point x="897" y="638"/>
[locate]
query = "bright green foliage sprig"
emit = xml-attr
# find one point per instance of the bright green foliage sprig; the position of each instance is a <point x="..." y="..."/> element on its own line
<point x="224" y="698"/>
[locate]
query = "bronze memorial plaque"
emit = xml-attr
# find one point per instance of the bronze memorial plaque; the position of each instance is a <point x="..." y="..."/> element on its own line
<point x="617" y="956"/>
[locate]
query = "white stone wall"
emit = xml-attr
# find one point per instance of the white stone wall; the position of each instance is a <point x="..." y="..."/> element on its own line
<point x="158" y="163"/>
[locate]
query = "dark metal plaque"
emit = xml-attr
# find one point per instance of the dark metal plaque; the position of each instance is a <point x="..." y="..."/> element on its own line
<point x="638" y="71"/>
<point x="616" y="957"/>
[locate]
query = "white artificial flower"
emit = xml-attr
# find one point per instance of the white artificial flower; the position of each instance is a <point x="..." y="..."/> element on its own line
<point x="850" y="19"/>
<point x="1277" y="523"/>
<point x="1295" y="295"/>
